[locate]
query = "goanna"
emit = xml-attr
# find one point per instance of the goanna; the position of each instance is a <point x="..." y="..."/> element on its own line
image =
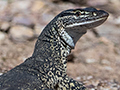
<point x="46" y="68"/>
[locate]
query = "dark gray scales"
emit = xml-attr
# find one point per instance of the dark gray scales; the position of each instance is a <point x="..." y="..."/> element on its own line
<point x="46" y="68"/>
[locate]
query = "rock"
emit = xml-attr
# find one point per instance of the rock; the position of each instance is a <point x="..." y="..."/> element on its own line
<point x="3" y="5"/>
<point x="38" y="29"/>
<point x="91" y="87"/>
<point x="46" y="17"/>
<point x="108" y="68"/>
<point x="117" y="21"/>
<point x="5" y="26"/>
<point x="20" y="5"/>
<point x="105" y="62"/>
<point x="4" y="12"/>
<point x="37" y="5"/>
<point x="21" y="33"/>
<point x="23" y="20"/>
<point x="89" y="77"/>
<point x="78" y="78"/>
<point x="2" y="36"/>
<point x="91" y="61"/>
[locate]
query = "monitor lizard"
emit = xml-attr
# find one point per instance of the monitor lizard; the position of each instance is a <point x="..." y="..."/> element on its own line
<point x="46" y="68"/>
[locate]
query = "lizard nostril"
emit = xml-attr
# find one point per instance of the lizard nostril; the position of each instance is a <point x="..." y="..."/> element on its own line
<point x="104" y="13"/>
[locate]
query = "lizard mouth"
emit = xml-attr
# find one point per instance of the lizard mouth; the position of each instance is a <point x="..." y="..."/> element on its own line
<point x="100" y="20"/>
<point x="95" y="23"/>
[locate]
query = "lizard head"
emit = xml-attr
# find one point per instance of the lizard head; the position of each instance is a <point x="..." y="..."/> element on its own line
<point x="73" y="23"/>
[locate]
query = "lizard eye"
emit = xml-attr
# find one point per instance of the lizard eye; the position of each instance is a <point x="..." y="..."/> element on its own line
<point x="78" y="14"/>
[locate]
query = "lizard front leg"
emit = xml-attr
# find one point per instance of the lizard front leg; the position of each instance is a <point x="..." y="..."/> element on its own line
<point x="67" y="83"/>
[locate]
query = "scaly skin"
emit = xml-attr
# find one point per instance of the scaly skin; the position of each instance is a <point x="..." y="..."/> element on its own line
<point x="46" y="68"/>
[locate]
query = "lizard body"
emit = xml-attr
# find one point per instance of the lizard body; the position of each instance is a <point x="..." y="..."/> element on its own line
<point x="46" y="68"/>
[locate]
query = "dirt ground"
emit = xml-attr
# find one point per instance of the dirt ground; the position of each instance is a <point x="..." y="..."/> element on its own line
<point x="95" y="61"/>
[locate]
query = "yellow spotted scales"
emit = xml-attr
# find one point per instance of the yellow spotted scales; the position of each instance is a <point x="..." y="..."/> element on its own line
<point x="46" y="68"/>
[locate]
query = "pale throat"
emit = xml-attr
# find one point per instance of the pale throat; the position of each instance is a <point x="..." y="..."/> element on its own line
<point x="67" y="38"/>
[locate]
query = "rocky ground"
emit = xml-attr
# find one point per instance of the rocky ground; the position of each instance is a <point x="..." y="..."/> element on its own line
<point x="95" y="61"/>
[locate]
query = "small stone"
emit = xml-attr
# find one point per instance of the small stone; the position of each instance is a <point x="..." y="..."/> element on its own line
<point x="90" y="60"/>
<point x="89" y="77"/>
<point x="2" y="36"/>
<point x="5" y="26"/>
<point x="91" y="87"/>
<point x="78" y="78"/>
<point x="108" y="68"/>
<point x="3" y="5"/>
<point x="104" y="61"/>
<point x="20" y="5"/>
<point x="21" y="33"/>
<point x="96" y="83"/>
<point x="23" y="20"/>
<point x="46" y="17"/>
<point x="37" y="5"/>
<point x="117" y="21"/>
<point x="38" y="29"/>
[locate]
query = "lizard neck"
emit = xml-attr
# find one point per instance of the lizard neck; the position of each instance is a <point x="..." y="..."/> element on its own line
<point x="50" y="46"/>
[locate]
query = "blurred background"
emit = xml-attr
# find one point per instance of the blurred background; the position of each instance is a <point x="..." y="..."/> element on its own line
<point x="95" y="61"/>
